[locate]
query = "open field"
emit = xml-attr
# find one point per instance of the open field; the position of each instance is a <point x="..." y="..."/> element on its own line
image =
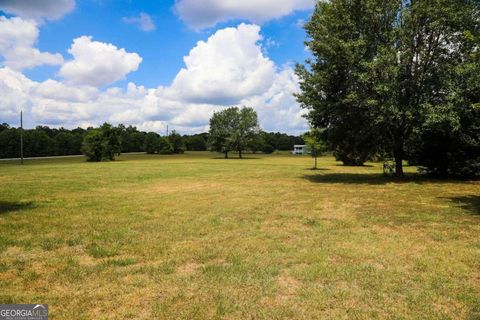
<point x="194" y="237"/>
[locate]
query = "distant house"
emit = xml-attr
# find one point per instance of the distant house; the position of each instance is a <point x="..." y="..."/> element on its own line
<point x="299" y="149"/>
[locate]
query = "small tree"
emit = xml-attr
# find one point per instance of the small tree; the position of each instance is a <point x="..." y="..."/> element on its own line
<point x="111" y="139"/>
<point x="315" y="145"/>
<point x="152" y="143"/>
<point x="102" y="142"/>
<point x="93" y="145"/>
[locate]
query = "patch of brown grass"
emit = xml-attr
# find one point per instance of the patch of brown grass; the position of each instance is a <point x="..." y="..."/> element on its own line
<point x="191" y="237"/>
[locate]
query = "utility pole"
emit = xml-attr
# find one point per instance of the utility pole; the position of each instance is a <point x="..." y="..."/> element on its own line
<point x="167" y="130"/>
<point x="21" y="137"/>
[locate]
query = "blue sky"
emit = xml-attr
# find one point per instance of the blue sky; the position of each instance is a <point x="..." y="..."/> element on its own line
<point x="144" y="75"/>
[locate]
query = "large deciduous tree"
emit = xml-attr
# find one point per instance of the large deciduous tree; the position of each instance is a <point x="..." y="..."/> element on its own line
<point x="245" y="129"/>
<point x="232" y="130"/>
<point x="382" y="70"/>
<point x="341" y="41"/>
<point x="221" y="126"/>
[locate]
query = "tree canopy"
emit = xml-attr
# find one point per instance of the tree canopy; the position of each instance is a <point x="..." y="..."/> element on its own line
<point x="102" y="142"/>
<point x="386" y="73"/>
<point x="233" y="129"/>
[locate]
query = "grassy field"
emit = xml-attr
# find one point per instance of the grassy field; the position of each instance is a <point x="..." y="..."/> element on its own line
<point x="197" y="237"/>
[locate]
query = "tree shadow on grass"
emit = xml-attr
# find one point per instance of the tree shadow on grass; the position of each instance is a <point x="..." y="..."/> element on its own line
<point x="371" y="178"/>
<point x="349" y="166"/>
<point x="470" y="203"/>
<point x="237" y="158"/>
<point x="10" y="206"/>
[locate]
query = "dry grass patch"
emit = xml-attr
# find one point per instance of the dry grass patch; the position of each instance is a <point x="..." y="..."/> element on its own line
<point x="193" y="237"/>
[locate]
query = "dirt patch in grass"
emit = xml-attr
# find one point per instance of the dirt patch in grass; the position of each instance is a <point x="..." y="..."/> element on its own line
<point x="288" y="286"/>
<point x="188" y="269"/>
<point x="85" y="260"/>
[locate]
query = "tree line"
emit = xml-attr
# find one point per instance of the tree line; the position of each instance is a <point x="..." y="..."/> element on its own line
<point x="396" y="79"/>
<point x="106" y="141"/>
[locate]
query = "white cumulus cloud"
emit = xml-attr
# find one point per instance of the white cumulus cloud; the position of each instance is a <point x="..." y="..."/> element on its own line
<point x="229" y="68"/>
<point x="18" y="38"/>
<point x="207" y="13"/>
<point x="226" y="68"/>
<point x="15" y="92"/>
<point x="38" y="9"/>
<point x="97" y="63"/>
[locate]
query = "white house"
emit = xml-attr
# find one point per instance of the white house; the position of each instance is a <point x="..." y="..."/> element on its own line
<point x="299" y="149"/>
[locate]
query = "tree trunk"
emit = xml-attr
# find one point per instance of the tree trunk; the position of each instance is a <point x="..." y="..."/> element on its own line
<point x="240" y="154"/>
<point x="315" y="163"/>
<point x="226" y="154"/>
<point x="398" y="155"/>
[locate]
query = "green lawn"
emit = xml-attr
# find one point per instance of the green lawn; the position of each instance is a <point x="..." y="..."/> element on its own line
<point x="195" y="236"/>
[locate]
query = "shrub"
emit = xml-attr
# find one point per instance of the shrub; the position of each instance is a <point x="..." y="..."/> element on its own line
<point x="268" y="148"/>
